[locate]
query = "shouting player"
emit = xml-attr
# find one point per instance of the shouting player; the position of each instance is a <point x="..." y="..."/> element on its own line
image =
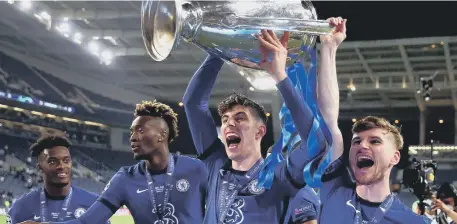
<point x="57" y="200"/>
<point x="234" y="163"/>
<point x="358" y="191"/>
<point x="162" y="187"/>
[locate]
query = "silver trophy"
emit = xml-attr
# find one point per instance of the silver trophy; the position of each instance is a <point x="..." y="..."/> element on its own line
<point x="227" y="29"/>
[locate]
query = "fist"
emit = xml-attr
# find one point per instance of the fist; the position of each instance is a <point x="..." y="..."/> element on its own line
<point x="338" y="35"/>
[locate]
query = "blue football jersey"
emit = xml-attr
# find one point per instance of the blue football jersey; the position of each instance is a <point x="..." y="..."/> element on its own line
<point x="186" y="202"/>
<point x="27" y="207"/>
<point x="303" y="207"/>
<point x="340" y="203"/>
<point x="251" y="204"/>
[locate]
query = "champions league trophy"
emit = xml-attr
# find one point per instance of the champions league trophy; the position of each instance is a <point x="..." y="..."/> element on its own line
<point x="227" y="29"/>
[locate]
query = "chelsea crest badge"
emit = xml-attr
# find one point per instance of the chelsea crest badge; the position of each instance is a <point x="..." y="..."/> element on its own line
<point x="254" y="188"/>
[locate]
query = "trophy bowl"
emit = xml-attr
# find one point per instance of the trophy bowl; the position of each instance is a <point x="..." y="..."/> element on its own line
<point x="228" y="29"/>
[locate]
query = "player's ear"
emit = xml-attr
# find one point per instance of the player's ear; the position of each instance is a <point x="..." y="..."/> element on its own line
<point x="38" y="165"/>
<point x="261" y="130"/>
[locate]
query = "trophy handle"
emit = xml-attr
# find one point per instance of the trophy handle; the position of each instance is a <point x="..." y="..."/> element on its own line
<point x="313" y="27"/>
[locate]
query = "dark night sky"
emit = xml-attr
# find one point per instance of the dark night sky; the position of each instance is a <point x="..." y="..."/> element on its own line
<point x="392" y="20"/>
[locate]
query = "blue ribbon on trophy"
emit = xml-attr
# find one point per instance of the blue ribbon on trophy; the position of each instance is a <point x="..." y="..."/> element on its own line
<point x="306" y="85"/>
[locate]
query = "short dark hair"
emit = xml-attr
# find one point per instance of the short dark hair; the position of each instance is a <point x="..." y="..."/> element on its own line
<point x="158" y="109"/>
<point x="446" y="190"/>
<point x="235" y="99"/>
<point x="47" y="142"/>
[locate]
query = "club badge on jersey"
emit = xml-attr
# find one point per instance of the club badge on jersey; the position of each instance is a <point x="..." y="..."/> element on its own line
<point x="254" y="188"/>
<point x="182" y="185"/>
<point x="229" y="191"/>
<point x="8" y="219"/>
<point x="79" y="212"/>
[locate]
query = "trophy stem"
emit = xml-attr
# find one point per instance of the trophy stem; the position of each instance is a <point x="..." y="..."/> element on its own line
<point x="312" y="27"/>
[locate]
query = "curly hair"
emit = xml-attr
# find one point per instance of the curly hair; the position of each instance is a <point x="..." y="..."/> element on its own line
<point x="371" y="122"/>
<point x="47" y="142"/>
<point x="235" y="99"/>
<point x="158" y="109"/>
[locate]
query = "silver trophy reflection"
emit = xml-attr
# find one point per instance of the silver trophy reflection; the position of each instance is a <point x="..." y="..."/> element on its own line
<point x="227" y="29"/>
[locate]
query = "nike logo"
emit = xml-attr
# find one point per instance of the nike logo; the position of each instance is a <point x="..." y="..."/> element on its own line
<point x="348" y="203"/>
<point x="36" y="217"/>
<point x="138" y="191"/>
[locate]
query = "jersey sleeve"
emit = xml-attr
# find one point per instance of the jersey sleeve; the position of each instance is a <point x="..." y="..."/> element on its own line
<point x="303" y="213"/>
<point x="196" y="98"/>
<point x="304" y="206"/>
<point x="17" y="212"/>
<point x="336" y="175"/>
<point x="113" y="196"/>
<point x="13" y="215"/>
<point x="303" y="119"/>
<point x="93" y="199"/>
<point x="203" y="173"/>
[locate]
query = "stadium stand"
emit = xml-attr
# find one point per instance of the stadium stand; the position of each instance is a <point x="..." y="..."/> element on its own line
<point x="34" y="103"/>
<point x="23" y="120"/>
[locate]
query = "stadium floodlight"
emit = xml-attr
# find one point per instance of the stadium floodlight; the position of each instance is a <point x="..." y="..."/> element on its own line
<point x="25" y="5"/>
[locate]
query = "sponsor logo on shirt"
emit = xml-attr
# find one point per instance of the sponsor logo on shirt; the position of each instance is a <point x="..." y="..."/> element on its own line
<point x="348" y="203"/>
<point x="169" y="215"/>
<point x="235" y="214"/>
<point x="106" y="187"/>
<point x="304" y="209"/>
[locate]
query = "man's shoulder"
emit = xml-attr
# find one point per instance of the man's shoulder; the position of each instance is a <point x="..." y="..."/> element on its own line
<point x="307" y="193"/>
<point x="130" y="170"/>
<point x="398" y="205"/>
<point x="85" y="195"/>
<point x="401" y="210"/>
<point x="29" y="197"/>
<point x="189" y="162"/>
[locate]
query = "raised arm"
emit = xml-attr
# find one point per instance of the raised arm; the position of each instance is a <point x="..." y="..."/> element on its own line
<point x="328" y="95"/>
<point x="196" y="97"/>
<point x="303" y="118"/>
<point x="301" y="114"/>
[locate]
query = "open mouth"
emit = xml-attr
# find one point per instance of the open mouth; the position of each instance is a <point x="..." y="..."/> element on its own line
<point x="364" y="162"/>
<point x="233" y="140"/>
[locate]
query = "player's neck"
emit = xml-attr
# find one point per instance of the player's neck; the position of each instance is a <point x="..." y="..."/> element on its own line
<point x="158" y="161"/>
<point x="246" y="163"/>
<point x="57" y="191"/>
<point x="376" y="192"/>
